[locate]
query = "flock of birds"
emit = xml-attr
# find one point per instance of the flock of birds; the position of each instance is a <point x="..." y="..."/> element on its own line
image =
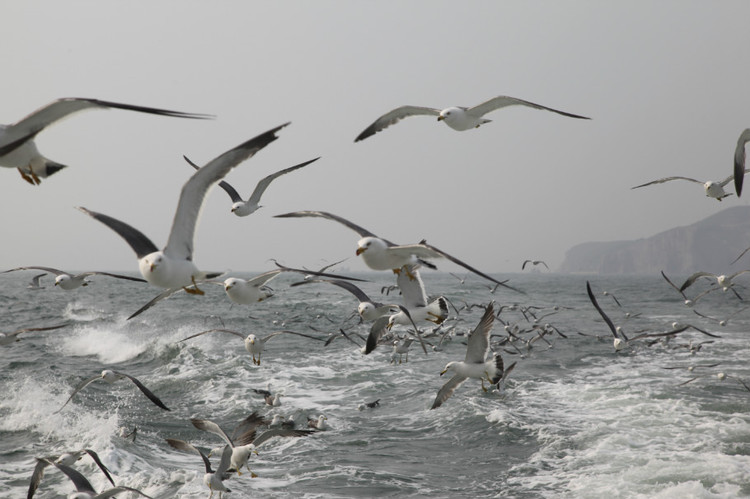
<point x="172" y="269"/>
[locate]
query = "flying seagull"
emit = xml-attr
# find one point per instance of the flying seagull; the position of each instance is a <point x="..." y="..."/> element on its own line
<point x="66" y="459"/>
<point x="17" y="147"/>
<point x="243" y="208"/>
<point x="8" y="338"/>
<point x="110" y="377"/>
<point x="534" y="263"/>
<point x="458" y="118"/>
<point x="84" y="489"/>
<point x="69" y="281"/>
<point x="35" y="283"/>
<point x="475" y="364"/>
<point x="714" y="189"/>
<point x="172" y="268"/>
<point x="214" y="479"/>
<point x="253" y="344"/>
<point x="381" y="254"/>
<point x="368" y="309"/>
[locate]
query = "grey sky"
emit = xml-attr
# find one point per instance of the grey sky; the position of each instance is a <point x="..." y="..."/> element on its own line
<point x="665" y="83"/>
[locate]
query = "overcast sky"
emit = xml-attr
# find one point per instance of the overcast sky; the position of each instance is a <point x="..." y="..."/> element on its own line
<point x="665" y="83"/>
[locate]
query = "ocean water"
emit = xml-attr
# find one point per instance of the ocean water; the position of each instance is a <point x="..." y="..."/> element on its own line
<point x="574" y="418"/>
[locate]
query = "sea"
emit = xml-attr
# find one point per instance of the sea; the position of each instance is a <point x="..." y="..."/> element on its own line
<point x="573" y="418"/>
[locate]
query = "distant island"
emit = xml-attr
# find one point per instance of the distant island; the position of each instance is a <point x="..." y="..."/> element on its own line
<point x="709" y="245"/>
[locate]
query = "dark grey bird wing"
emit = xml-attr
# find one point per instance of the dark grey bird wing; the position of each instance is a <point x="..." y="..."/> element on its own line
<point x="79" y="481"/>
<point x="99" y="463"/>
<point x="276" y="333"/>
<point x="505" y="101"/>
<point x="479" y="339"/>
<point x="211" y="427"/>
<point x="315" y="273"/>
<point x="233" y="194"/>
<point x="330" y="216"/>
<point x="377" y="330"/>
<point x="447" y="390"/>
<point x="251" y="422"/>
<point x="691" y="280"/>
<point x="137" y="240"/>
<point x="186" y="447"/>
<point x="667" y="179"/>
<point x="263" y="184"/>
<point x="236" y="333"/>
<point x="394" y="116"/>
<point x="78" y="388"/>
<point x="156" y="299"/>
<point x="607" y="320"/>
<point x="153" y="398"/>
<point x="356" y="291"/>
<point x="35" y="267"/>
<point x="739" y="161"/>
<point x="274" y="432"/>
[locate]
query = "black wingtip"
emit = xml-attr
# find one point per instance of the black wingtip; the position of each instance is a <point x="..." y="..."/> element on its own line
<point x="739" y="175"/>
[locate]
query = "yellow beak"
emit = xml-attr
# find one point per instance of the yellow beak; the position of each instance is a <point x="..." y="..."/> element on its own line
<point x="441" y="118"/>
<point x="360" y="251"/>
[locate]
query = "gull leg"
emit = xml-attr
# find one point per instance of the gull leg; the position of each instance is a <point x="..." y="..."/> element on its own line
<point x="483" y="388"/>
<point x="32" y="179"/>
<point x="195" y="290"/>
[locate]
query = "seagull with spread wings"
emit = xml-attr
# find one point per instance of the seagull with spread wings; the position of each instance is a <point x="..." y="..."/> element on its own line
<point x="69" y="281"/>
<point x="458" y="118"/>
<point x="110" y="377"/>
<point x="173" y="268"/>
<point x="713" y="188"/>
<point x="17" y="147"/>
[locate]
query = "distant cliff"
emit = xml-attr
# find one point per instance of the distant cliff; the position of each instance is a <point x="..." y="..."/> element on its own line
<point x="709" y="245"/>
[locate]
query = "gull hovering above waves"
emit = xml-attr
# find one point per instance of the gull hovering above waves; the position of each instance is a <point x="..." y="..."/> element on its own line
<point x="214" y="480"/>
<point x="17" y="147"/>
<point x="368" y="309"/>
<point x="381" y="254"/>
<point x="8" y="338"/>
<point x="84" y="489"/>
<point x="739" y="161"/>
<point x="534" y="263"/>
<point x="110" y="377"/>
<point x="725" y="282"/>
<point x="246" y="443"/>
<point x="714" y="189"/>
<point x="475" y="364"/>
<point x="243" y="208"/>
<point x="172" y="268"/>
<point x="253" y="344"/>
<point x="66" y="459"/>
<point x="68" y="281"/>
<point x="35" y="283"/>
<point x="415" y="301"/>
<point x="458" y="118"/>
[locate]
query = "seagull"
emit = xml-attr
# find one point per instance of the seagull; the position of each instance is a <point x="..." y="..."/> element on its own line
<point x="272" y="399"/>
<point x="249" y="291"/>
<point x="415" y="301"/>
<point x="474" y="365"/>
<point x="35" y="283"/>
<point x="369" y="405"/>
<point x="110" y="377"/>
<point x="619" y="342"/>
<point x="172" y="268"/>
<point x="8" y="338"/>
<point x="722" y="322"/>
<point x="214" y="480"/>
<point x="17" y="147"/>
<point x="725" y="282"/>
<point x="458" y="118"/>
<point x="66" y="459"/>
<point x="739" y="161"/>
<point x="401" y="348"/>
<point x="534" y="263"/>
<point x="84" y="490"/>
<point x="714" y="189"/>
<point x="246" y="443"/>
<point x="318" y="423"/>
<point x="69" y="281"/>
<point x="253" y="344"/>
<point x="243" y="208"/>
<point x="368" y="309"/>
<point x="381" y="254"/>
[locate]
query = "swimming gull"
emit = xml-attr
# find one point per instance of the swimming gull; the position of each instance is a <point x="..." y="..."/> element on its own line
<point x="381" y="254"/>
<point x="246" y="443"/>
<point x="67" y="459"/>
<point x="17" y="147"/>
<point x="110" y="377"/>
<point x="713" y="188"/>
<point x="68" y="281"/>
<point x="369" y="405"/>
<point x="253" y="344"/>
<point x="475" y="364"/>
<point x="214" y="480"/>
<point x="173" y="268"/>
<point x="84" y="488"/>
<point x="739" y="161"/>
<point x="8" y="338"/>
<point x="243" y="208"/>
<point x="458" y="118"/>
<point x="320" y="423"/>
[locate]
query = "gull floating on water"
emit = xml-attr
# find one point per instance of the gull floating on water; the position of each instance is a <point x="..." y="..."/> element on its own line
<point x="84" y="489"/>
<point x="17" y="147"/>
<point x="8" y="338"/>
<point x="66" y="459"/>
<point x="381" y="254"/>
<point x="110" y="377"/>
<point x="173" y="268"/>
<point x="319" y="423"/>
<point x="243" y="208"/>
<point x="214" y="479"/>
<point x="458" y="118"/>
<point x="68" y="281"/>
<point x="253" y="344"/>
<point x="475" y="364"/>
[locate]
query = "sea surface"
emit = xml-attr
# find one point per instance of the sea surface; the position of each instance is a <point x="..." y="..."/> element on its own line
<point x="573" y="419"/>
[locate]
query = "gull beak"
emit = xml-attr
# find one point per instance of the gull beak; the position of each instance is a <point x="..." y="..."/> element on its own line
<point x="151" y="267"/>
<point x="360" y="251"/>
<point x="441" y="118"/>
<point x="443" y="371"/>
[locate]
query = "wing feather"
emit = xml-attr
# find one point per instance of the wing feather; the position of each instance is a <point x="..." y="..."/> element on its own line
<point x="447" y="390"/>
<point x="505" y="101"/>
<point x="394" y="116"/>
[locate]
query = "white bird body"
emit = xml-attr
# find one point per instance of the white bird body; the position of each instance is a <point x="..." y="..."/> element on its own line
<point x="415" y="301"/>
<point x="713" y="188"/>
<point x="249" y="291"/>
